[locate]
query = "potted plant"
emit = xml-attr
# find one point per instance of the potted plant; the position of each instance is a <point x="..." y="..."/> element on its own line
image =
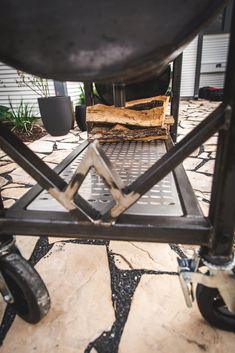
<point x="22" y="120"/>
<point x="56" y="111"/>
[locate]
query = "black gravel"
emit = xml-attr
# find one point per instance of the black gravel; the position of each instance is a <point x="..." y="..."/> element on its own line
<point x="123" y="286"/>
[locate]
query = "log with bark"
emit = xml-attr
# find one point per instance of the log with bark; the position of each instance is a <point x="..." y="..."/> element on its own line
<point x="140" y="120"/>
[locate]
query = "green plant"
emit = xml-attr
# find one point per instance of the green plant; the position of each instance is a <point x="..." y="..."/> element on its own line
<point x="5" y="114"/>
<point x="22" y="117"/>
<point x="81" y="99"/>
<point x="36" y="84"/>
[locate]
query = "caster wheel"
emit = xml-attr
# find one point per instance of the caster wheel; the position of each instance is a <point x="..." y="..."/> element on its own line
<point x="213" y="308"/>
<point x="31" y="298"/>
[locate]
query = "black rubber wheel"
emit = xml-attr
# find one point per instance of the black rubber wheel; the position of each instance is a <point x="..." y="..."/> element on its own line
<point x="31" y="298"/>
<point x="213" y="308"/>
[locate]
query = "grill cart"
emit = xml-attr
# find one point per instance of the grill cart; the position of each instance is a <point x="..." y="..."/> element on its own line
<point x="126" y="190"/>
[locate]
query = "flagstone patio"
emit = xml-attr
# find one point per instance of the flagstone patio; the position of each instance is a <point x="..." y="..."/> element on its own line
<point x="111" y="297"/>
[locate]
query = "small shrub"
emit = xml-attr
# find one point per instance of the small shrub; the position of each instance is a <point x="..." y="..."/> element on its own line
<point x="81" y="99"/>
<point x="22" y="117"/>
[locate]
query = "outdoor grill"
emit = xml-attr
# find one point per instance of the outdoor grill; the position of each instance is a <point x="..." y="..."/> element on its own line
<point x="126" y="190"/>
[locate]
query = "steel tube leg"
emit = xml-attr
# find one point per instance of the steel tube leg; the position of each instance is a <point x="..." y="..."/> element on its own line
<point x="176" y="84"/>
<point x="222" y="209"/>
<point x="4" y="238"/>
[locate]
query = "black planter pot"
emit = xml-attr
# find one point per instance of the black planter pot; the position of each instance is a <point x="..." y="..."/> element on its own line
<point x="57" y="114"/>
<point x="80" y="116"/>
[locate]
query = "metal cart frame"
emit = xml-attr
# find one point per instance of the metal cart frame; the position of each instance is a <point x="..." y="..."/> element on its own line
<point x="214" y="233"/>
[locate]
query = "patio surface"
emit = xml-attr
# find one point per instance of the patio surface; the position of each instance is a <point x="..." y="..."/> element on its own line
<point x="110" y="297"/>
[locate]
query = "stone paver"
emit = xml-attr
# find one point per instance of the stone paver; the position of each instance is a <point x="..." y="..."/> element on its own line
<point x="191" y="163"/>
<point x="207" y="168"/>
<point x="26" y="244"/>
<point x="66" y="145"/>
<point x="7" y="168"/>
<point x="210" y="148"/>
<point x="137" y="255"/>
<point x="116" y="297"/>
<point x="21" y="177"/>
<point x="160" y="322"/>
<point x="45" y="147"/>
<point x="8" y="203"/>
<point x="200" y="181"/>
<point x="16" y="193"/>
<point x="3" y="182"/>
<point x="57" y="156"/>
<point x="204" y="155"/>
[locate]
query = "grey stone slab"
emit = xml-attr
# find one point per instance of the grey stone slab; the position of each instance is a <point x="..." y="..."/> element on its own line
<point x="204" y="155"/>
<point x="3" y="181"/>
<point x="14" y="193"/>
<point x="208" y="167"/>
<point x="54" y="138"/>
<point x="83" y="135"/>
<point x="2" y="163"/>
<point x="199" y="194"/>
<point x="78" y="279"/>
<point x="207" y="196"/>
<point x="179" y="138"/>
<point x="138" y="255"/>
<point x="26" y="244"/>
<point x="210" y="148"/>
<point x="72" y="139"/>
<point x="197" y="119"/>
<point x="159" y="321"/>
<point x="212" y="141"/>
<point x="20" y="176"/>
<point x="7" y="168"/>
<point x="200" y="181"/>
<point x="57" y="156"/>
<point x="45" y="147"/>
<point x="8" y="203"/>
<point x="12" y="185"/>
<point x="187" y="124"/>
<point x="52" y="240"/>
<point x="191" y="163"/>
<point x="184" y="131"/>
<point x="66" y="145"/>
<point x="7" y="158"/>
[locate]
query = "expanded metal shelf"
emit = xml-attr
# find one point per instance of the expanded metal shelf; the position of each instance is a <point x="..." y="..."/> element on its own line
<point x="130" y="159"/>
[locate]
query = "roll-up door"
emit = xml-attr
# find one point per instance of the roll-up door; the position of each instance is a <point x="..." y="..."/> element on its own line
<point x="214" y="60"/>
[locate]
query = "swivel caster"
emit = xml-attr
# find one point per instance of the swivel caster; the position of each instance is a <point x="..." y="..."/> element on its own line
<point x="213" y="308"/>
<point x="215" y="290"/>
<point x="22" y="287"/>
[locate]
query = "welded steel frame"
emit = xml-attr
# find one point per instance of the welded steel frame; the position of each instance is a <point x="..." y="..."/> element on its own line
<point x="214" y="233"/>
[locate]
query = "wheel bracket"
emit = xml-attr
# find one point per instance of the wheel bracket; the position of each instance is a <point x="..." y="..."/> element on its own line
<point x="5" y="291"/>
<point x="220" y="277"/>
